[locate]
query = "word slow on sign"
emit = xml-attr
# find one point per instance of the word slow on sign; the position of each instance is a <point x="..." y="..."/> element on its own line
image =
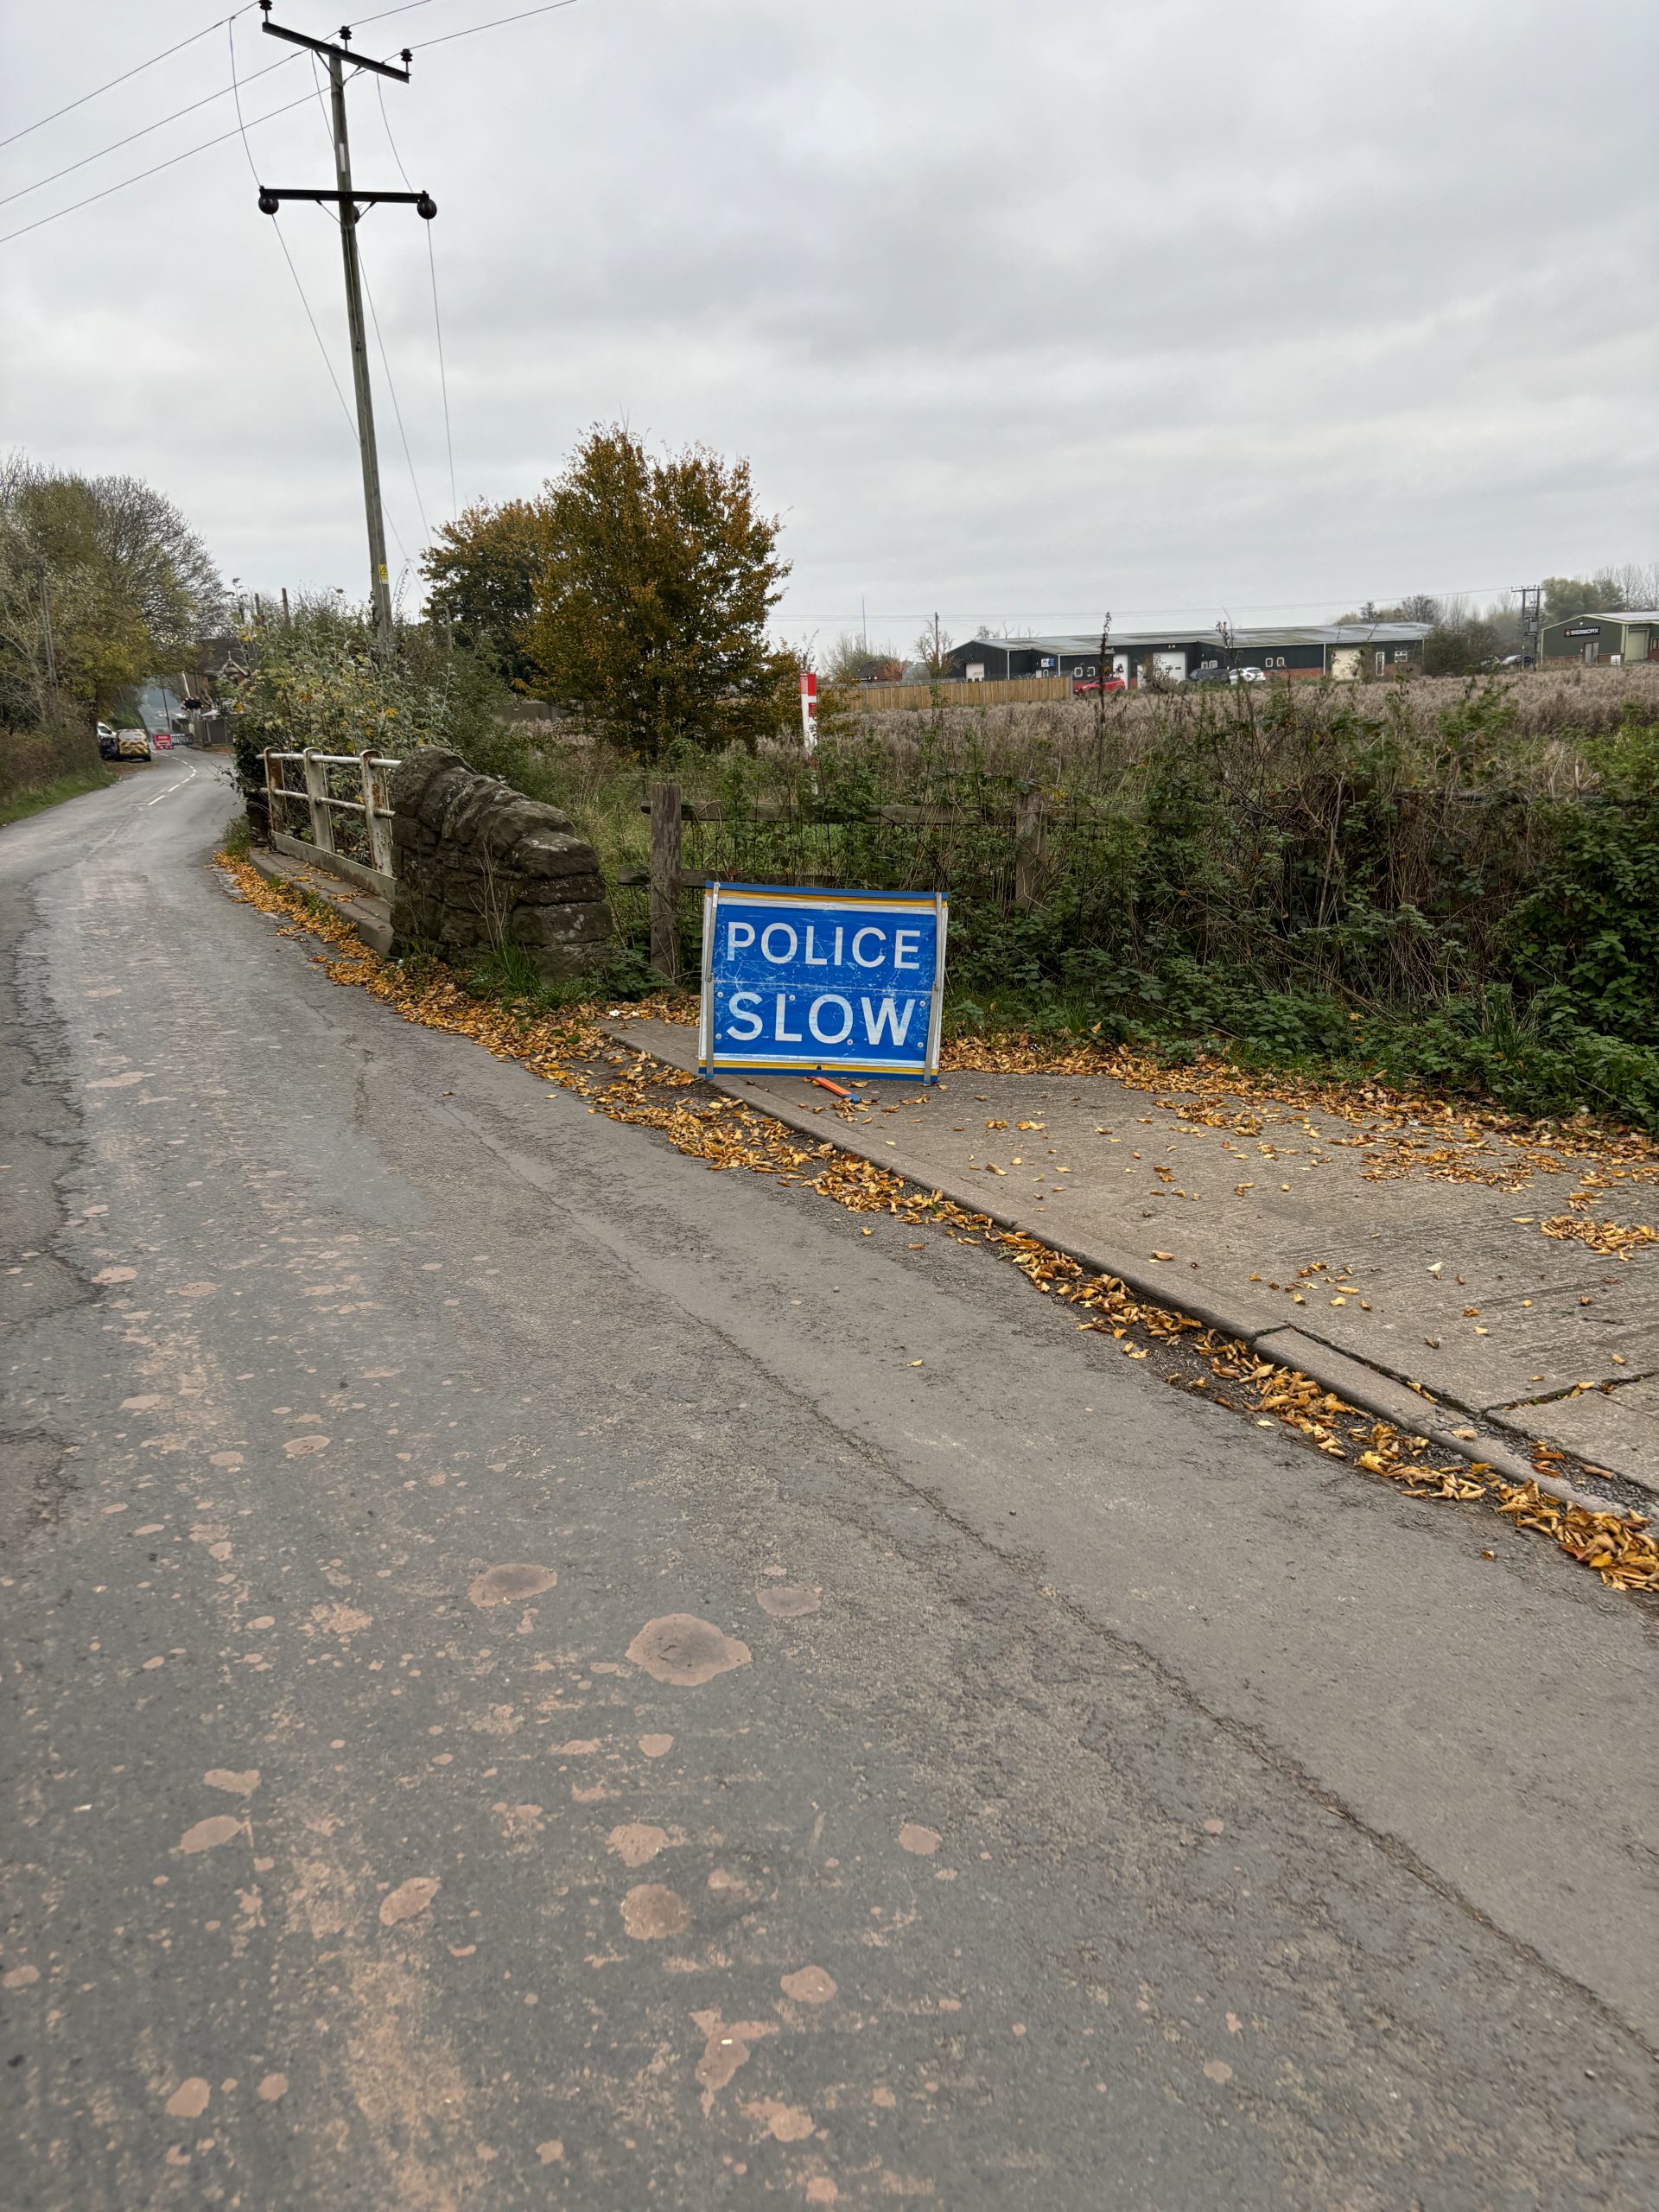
<point x="822" y="981"/>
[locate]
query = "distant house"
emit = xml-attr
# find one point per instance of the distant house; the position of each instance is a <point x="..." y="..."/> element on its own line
<point x="1608" y="639"/>
<point x="1343" y="651"/>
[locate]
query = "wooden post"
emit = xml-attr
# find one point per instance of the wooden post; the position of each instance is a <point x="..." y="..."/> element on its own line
<point x="316" y="787"/>
<point x="665" y="880"/>
<point x="1027" y="846"/>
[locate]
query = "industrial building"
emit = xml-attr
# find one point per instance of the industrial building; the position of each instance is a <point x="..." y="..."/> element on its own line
<point x="1610" y="640"/>
<point x="1344" y="651"/>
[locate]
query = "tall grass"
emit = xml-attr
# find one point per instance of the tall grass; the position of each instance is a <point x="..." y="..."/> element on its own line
<point x="35" y="761"/>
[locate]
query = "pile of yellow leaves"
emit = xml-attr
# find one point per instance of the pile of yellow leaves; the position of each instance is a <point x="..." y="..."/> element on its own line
<point x="568" y="1046"/>
<point x="1612" y="1238"/>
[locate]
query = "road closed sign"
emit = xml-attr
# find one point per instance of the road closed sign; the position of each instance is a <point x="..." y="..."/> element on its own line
<point x="822" y="982"/>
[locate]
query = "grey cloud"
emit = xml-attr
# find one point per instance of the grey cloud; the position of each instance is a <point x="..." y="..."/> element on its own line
<point x="1163" y="303"/>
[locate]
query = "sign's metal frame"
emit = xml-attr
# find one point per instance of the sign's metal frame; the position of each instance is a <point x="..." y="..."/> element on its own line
<point x="848" y="902"/>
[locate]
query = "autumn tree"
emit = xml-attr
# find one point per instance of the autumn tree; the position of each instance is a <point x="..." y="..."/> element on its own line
<point x="102" y="585"/>
<point x="656" y="581"/>
<point x="484" y="568"/>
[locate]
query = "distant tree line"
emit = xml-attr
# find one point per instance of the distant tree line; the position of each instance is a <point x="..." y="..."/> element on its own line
<point x="1465" y="638"/>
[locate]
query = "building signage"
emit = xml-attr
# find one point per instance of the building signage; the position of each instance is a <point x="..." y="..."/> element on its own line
<point x="1582" y="630"/>
<point x="822" y="981"/>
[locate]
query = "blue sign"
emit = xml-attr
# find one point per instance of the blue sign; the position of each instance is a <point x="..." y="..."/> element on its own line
<point x="822" y="981"/>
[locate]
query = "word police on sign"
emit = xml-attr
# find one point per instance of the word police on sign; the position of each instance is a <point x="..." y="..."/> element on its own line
<point x="821" y="982"/>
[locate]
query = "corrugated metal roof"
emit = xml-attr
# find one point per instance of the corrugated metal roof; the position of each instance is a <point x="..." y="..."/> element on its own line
<point x="1329" y="634"/>
<point x="1340" y="633"/>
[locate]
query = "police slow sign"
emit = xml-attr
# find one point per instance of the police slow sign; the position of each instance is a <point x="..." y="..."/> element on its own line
<point x="822" y="981"/>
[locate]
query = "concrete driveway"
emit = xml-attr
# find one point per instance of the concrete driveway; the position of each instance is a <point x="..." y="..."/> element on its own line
<point x="537" y="1673"/>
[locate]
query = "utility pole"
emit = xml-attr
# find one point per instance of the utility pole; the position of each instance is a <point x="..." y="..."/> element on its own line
<point x="349" y="202"/>
<point x="1532" y="622"/>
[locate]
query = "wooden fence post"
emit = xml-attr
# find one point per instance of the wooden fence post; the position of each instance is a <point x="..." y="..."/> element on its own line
<point x="316" y="787"/>
<point x="665" y="880"/>
<point x="1027" y="846"/>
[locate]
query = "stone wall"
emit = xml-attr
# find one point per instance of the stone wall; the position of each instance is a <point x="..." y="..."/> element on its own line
<point x="478" y="866"/>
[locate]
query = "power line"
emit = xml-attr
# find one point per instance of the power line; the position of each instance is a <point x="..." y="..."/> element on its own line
<point x="116" y="145"/>
<point x="350" y="201"/>
<point x="443" y="377"/>
<point x="1251" y="607"/>
<point x="437" y="319"/>
<point x="316" y="332"/>
<point x="360" y="23"/>
<point x="386" y="363"/>
<point x="253" y="171"/>
<point x="494" y="24"/>
<point x="136" y="69"/>
<point x="397" y="410"/>
<point x="91" y="199"/>
<point x="155" y="168"/>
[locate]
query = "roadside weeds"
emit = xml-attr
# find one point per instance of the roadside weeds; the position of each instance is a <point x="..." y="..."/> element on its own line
<point x="567" y="1047"/>
<point x="35" y="798"/>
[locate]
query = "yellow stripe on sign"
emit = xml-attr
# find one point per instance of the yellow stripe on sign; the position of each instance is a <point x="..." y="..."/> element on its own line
<point x="807" y="1067"/>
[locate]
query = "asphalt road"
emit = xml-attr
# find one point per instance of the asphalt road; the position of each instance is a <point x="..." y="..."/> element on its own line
<point x="520" y="1691"/>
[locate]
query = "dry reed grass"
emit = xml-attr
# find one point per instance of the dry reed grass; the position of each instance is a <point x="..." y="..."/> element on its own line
<point x="1069" y="740"/>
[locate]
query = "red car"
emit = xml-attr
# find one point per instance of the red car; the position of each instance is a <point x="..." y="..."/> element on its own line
<point x="1086" y="687"/>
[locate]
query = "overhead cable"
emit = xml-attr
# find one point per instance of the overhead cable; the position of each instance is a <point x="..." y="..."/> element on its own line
<point x="385" y="361"/>
<point x="494" y="24"/>
<point x="437" y="319"/>
<point x="116" y="145"/>
<point x="351" y="422"/>
<point x="1142" y="613"/>
<point x="155" y="169"/>
<point x="136" y="69"/>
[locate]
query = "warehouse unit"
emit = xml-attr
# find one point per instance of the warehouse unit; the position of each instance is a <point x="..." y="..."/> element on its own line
<point x="1344" y="651"/>
<point x="1610" y="640"/>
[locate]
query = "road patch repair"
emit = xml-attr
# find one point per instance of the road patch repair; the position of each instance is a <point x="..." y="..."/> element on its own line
<point x="1350" y="1387"/>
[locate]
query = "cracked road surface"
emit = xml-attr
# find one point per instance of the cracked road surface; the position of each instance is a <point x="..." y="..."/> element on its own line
<point x="520" y="1691"/>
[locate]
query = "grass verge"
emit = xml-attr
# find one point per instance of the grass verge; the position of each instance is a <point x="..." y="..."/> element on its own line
<point x="35" y="798"/>
<point x="565" y="1046"/>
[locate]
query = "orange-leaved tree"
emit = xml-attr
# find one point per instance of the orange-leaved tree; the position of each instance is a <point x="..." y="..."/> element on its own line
<point x="657" y="578"/>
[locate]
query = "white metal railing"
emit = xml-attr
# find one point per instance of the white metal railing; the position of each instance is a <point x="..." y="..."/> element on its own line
<point x="322" y="805"/>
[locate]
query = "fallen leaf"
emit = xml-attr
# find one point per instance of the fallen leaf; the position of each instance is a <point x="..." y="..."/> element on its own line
<point x="408" y="1900"/>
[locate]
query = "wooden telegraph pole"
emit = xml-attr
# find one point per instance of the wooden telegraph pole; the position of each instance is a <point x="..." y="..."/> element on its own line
<point x="349" y="200"/>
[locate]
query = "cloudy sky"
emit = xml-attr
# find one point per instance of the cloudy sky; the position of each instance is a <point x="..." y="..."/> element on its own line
<point x="1020" y="311"/>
